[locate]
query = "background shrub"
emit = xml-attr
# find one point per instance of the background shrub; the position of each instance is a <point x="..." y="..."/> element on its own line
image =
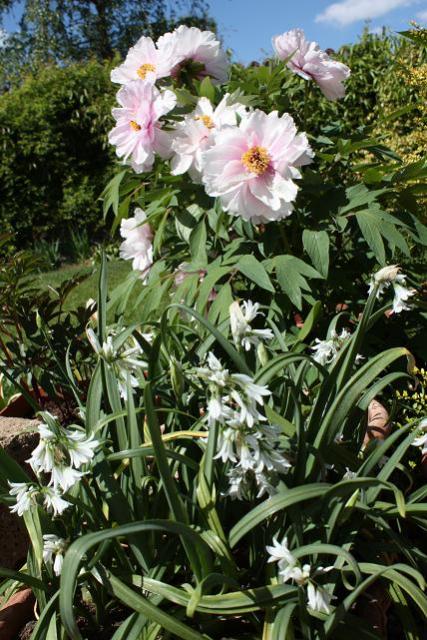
<point x="55" y="159"/>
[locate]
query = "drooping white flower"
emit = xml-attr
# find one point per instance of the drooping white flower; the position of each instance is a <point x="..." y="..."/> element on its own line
<point x="240" y="322"/>
<point x="53" y="551"/>
<point x="213" y="372"/>
<point x="59" y="450"/>
<point x="25" y="495"/>
<point x="64" y="477"/>
<point x="311" y="63"/>
<point x="194" y="53"/>
<point x="318" y="598"/>
<point x="238" y="486"/>
<point x="138" y="134"/>
<point x="421" y="441"/>
<point x="226" y="444"/>
<point x="252" y="167"/>
<point x="289" y="567"/>
<point x="391" y="275"/>
<point x="124" y="358"/>
<point x="80" y="447"/>
<point x="384" y="276"/>
<point x="349" y="474"/>
<point x="401" y="294"/>
<point x="243" y="438"/>
<point x="143" y="62"/>
<point x="137" y="243"/>
<point x="326" y="351"/>
<point x="54" y="502"/>
<point x="281" y="553"/>
<point x="194" y="134"/>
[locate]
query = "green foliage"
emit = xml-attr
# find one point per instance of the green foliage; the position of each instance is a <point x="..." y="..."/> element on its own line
<point x="36" y="335"/>
<point x="54" y="157"/>
<point x="158" y="533"/>
<point x="214" y="430"/>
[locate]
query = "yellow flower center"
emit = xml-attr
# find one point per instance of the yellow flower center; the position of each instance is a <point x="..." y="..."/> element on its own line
<point x="135" y="126"/>
<point x="207" y="121"/>
<point x="256" y="160"/>
<point x="144" y="69"/>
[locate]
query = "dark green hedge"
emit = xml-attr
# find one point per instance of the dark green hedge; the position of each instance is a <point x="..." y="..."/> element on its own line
<point x="55" y="159"/>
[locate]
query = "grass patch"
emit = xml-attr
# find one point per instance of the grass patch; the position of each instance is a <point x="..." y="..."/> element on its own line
<point x="117" y="271"/>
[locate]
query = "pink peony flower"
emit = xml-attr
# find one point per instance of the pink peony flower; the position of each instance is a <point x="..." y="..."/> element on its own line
<point x="251" y="167"/>
<point x="138" y="133"/>
<point x="195" y="134"/>
<point x="143" y="62"/>
<point x="311" y="63"/>
<point x="137" y="245"/>
<point x="189" y="45"/>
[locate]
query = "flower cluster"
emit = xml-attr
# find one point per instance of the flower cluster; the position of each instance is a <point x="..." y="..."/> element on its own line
<point x="61" y="453"/>
<point x="187" y="49"/>
<point x="244" y="439"/>
<point x="246" y="158"/>
<point x="240" y="322"/>
<point x="123" y="354"/>
<point x="290" y="569"/>
<point x="391" y="276"/>
<point x="326" y="351"/>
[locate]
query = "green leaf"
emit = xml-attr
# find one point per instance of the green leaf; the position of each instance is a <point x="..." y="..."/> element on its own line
<point x="370" y="225"/>
<point x="207" y="89"/>
<point x="291" y="273"/>
<point x="271" y="506"/>
<point x="110" y="195"/>
<point x="316" y="244"/>
<point x="198" y="238"/>
<point x="253" y="269"/>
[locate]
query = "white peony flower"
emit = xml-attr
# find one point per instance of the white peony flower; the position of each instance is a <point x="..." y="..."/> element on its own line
<point x="311" y="63"/>
<point x="194" y="134"/>
<point x="138" y="134"/>
<point x="138" y="243"/>
<point x="54" y="547"/>
<point x="252" y="167"/>
<point x="143" y="62"/>
<point x="240" y="322"/>
<point x="194" y="52"/>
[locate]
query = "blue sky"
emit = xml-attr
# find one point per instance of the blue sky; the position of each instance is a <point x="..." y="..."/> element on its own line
<point x="247" y="25"/>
